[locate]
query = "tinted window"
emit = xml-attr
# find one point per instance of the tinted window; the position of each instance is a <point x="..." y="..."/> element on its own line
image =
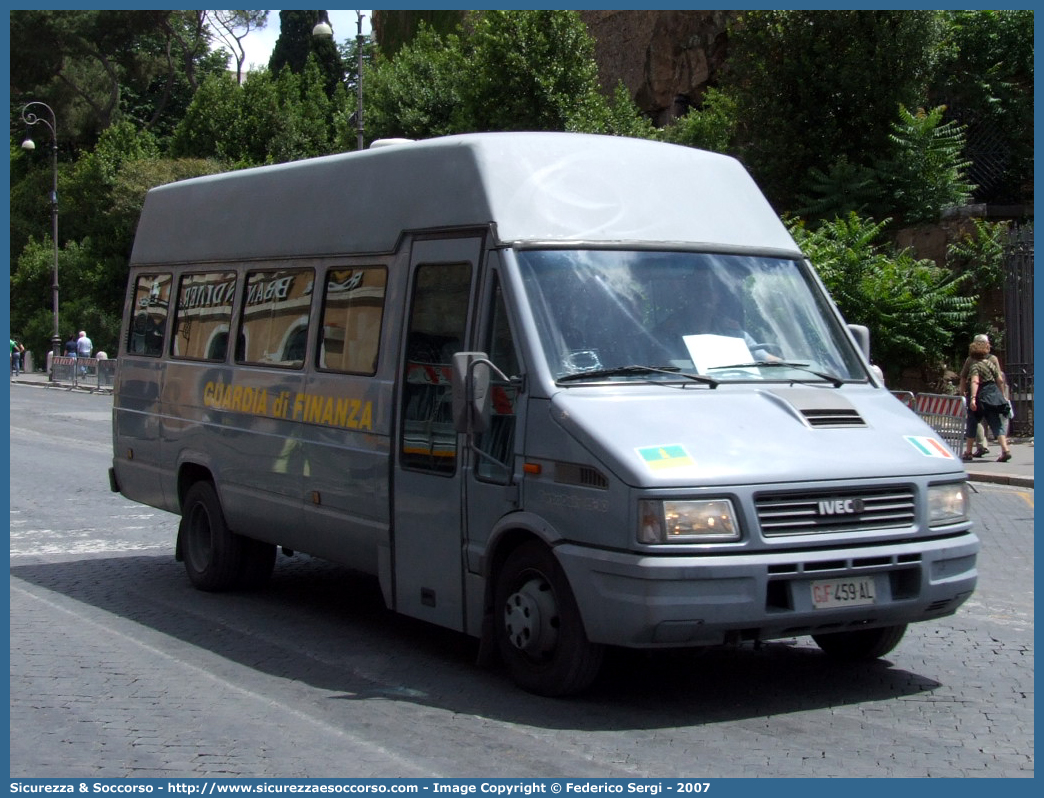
<point x="274" y="329"/>
<point x="149" y="315"/>
<point x="437" y="326"/>
<point x="203" y="314"/>
<point x="353" y="305"/>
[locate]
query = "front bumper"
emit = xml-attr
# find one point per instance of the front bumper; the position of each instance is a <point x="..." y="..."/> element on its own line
<point x="642" y="601"/>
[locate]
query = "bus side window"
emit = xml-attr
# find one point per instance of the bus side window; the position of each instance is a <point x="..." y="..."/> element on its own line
<point x="353" y="306"/>
<point x="149" y="315"/>
<point x="274" y="326"/>
<point x="202" y="315"/>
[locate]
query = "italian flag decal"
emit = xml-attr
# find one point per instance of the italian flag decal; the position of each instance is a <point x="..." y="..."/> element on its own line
<point x="930" y="447"/>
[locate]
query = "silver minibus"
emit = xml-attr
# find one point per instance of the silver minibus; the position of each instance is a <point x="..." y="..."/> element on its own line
<point x="559" y="392"/>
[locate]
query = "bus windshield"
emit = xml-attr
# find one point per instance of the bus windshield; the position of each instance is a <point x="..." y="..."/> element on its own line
<point x="636" y="315"/>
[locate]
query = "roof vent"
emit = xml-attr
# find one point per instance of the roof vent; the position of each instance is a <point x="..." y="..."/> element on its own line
<point x="376" y="144"/>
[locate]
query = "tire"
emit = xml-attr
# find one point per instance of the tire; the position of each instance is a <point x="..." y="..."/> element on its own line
<point x="538" y="628"/>
<point x="865" y="644"/>
<point x="215" y="558"/>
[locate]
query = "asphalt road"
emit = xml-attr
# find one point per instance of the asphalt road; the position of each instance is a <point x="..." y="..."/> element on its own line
<point x="119" y="668"/>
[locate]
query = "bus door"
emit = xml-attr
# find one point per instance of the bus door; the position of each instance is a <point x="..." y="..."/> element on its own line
<point x="491" y="467"/>
<point x="427" y="539"/>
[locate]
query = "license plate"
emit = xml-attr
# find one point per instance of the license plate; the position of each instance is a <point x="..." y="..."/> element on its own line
<point x="853" y="591"/>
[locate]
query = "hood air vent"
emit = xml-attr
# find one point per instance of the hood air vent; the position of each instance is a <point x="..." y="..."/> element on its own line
<point x="833" y="418"/>
<point x="820" y="409"/>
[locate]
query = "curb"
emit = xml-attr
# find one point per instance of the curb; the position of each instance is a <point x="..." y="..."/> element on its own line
<point x="1001" y="479"/>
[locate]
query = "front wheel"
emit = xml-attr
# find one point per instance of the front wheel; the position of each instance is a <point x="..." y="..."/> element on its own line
<point x="863" y="644"/>
<point x="538" y="628"/>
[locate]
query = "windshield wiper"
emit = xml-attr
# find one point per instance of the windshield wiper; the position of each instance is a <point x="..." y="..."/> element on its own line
<point x="768" y="364"/>
<point x="622" y="371"/>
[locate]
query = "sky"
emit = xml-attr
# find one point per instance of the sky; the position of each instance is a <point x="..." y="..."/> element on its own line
<point x="259" y="43"/>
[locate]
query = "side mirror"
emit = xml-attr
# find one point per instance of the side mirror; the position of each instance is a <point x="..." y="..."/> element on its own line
<point x="862" y="338"/>
<point x="471" y="395"/>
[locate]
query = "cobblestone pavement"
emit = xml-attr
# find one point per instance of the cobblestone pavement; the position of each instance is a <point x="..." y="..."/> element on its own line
<point x="119" y="668"/>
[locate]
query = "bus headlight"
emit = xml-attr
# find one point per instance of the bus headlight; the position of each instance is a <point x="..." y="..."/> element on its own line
<point x="710" y="520"/>
<point x="947" y="504"/>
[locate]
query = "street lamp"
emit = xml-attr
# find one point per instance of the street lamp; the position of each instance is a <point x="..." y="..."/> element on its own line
<point x="323" y="29"/>
<point x="31" y="118"/>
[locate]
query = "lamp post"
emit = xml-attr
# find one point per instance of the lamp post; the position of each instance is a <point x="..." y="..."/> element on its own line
<point x="31" y="118"/>
<point x="324" y="29"/>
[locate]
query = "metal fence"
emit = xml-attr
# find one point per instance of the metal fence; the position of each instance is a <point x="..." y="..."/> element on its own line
<point x="948" y="414"/>
<point x="1018" y="322"/>
<point x="84" y="372"/>
<point x="945" y="414"/>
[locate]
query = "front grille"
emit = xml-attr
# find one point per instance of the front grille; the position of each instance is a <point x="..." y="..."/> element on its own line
<point x="835" y="511"/>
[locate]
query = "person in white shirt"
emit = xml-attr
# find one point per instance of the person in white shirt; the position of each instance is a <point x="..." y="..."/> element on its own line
<point x="84" y="348"/>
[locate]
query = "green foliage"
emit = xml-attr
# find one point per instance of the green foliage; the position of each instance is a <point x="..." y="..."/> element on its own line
<point x="417" y="94"/>
<point x="619" y="116"/>
<point x="399" y="28"/>
<point x="511" y="70"/>
<point x="296" y="46"/>
<point x="913" y="308"/>
<point x="925" y="174"/>
<point x="711" y="126"/>
<point x="266" y="120"/>
<point x="980" y="252"/>
<point x="527" y="70"/>
<point x="918" y="178"/>
<point x="95" y="67"/>
<point x="986" y="79"/>
<point x="845" y="188"/>
<point x="813" y="86"/>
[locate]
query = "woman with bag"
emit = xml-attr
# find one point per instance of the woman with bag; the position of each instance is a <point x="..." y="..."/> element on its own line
<point x="986" y="400"/>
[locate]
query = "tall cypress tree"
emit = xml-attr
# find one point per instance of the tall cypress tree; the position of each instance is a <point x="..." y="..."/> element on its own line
<point x="296" y="43"/>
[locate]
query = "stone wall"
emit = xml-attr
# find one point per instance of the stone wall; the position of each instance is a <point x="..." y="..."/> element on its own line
<point x="666" y="59"/>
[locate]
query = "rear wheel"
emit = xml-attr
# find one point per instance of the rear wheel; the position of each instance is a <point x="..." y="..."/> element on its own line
<point x="863" y="644"/>
<point x="216" y="558"/>
<point x="538" y="627"/>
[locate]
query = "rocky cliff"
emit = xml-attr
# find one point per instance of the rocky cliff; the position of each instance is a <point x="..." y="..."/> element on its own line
<point x="666" y="59"/>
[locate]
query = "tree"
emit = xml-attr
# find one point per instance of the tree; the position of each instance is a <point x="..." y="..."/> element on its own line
<point x="710" y="126"/>
<point x="417" y="94"/>
<point x="813" y="86"/>
<point x="504" y="70"/>
<point x="925" y="174"/>
<point x="296" y="43"/>
<point x="265" y="120"/>
<point x="985" y="78"/>
<point x="94" y="67"/>
<point x="232" y="27"/>
<point x="913" y="308"/>
<point x="528" y="70"/>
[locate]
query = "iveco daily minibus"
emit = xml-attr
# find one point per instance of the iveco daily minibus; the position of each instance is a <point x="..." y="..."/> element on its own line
<point x="556" y="391"/>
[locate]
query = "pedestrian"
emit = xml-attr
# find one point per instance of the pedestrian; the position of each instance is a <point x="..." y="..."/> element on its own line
<point x="987" y="399"/>
<point x="981" y="450"/>
<point x="17" y="353"/>
<point x="84" y="349"/>
<point x="70" y="346"/>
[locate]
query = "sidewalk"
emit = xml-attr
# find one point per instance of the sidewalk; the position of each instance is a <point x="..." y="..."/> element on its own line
<point x="1018" y="471"/>
<point x="42" y="380"/>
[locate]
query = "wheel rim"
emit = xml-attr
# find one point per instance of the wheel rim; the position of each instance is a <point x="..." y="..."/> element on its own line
<point x="531" y="619"/>
<point x="199" y="543"/>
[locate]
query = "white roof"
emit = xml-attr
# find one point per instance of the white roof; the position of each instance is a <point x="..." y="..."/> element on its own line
<point x="556" y="188"/>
